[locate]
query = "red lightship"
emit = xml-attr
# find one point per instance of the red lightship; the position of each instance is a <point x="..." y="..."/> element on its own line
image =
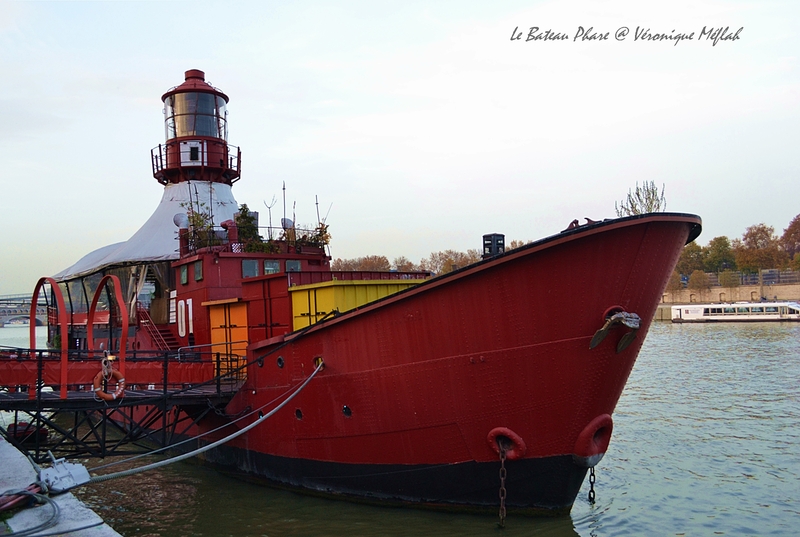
<point x="428" y="384"/>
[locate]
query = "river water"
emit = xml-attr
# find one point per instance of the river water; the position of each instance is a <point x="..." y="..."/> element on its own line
<point x="706" y="442"/>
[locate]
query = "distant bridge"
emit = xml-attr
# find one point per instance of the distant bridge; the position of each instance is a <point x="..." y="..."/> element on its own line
<point x="17" y="308"/>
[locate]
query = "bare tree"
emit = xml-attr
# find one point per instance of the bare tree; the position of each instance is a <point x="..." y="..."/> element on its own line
<point x="644" y="199"/>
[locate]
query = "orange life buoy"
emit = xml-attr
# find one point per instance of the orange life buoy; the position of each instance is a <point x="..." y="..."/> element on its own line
<point x="98" y="386"/>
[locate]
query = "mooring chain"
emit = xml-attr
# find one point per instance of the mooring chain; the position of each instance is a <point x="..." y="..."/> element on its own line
<point x="591" y="485"/>
<point x="502" y="484"/>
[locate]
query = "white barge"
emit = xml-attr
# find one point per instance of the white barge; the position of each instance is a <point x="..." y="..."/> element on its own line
<point x="738" y="312"/>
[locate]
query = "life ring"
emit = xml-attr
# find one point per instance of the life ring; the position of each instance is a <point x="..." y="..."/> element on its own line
<point x="98" y="386"/>
<point x="517" y="447"/>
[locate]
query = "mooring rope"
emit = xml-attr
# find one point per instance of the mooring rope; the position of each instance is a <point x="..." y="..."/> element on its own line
<point x="178" y="458"/>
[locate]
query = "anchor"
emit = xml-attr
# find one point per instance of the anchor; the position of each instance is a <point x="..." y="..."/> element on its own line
<point x="631" y="320"/>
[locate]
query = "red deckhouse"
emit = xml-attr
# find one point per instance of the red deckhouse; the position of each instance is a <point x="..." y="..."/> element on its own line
<point x="430" y="384"/>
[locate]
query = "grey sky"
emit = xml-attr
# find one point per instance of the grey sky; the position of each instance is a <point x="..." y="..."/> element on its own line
<point x="422" y="123"/>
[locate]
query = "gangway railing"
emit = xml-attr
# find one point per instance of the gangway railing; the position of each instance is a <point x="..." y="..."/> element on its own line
<point x="163" y="398"/>
<point x="23" y="370"/>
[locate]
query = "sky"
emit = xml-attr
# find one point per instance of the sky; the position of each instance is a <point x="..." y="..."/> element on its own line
<point x="413" y="127"/>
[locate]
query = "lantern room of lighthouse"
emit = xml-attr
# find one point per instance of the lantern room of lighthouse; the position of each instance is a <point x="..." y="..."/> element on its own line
<point x="196" y="125"/>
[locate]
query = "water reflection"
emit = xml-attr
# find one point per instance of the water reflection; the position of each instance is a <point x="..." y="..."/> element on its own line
<point x="188" y="500"/>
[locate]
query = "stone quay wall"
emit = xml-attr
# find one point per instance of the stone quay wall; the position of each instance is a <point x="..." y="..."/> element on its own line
<point x="743" y="293"/>
<point x="719" y="295"/>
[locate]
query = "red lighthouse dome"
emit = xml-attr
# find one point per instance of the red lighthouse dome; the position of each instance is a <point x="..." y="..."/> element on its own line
<point x="196" y="124"/>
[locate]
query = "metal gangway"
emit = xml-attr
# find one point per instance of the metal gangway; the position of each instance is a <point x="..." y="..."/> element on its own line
<point x="53" y="402"/>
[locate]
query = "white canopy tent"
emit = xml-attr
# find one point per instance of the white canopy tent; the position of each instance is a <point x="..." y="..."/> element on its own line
<point x="157" y="239"/>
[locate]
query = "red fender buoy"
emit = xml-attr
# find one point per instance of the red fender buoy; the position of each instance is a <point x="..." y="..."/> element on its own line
<point x="515" y="451"/>
<point x="98" y="386"/>
<point x="593" y="441"/>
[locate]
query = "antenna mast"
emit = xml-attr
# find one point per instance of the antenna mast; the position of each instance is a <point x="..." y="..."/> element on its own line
<point x="269" y="210"/>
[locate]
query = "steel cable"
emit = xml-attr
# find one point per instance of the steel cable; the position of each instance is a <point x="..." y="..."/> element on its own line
<point x="153" y="466"/>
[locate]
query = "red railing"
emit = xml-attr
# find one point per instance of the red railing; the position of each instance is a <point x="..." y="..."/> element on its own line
<point x="172" y="155"/>
<point x="22" y="370"/>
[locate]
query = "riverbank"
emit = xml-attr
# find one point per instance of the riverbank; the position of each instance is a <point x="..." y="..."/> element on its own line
<point x="71" y="515"/>
<point x="742" y="293"/>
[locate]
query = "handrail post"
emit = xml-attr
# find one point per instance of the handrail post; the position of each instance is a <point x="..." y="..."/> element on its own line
<point x="164" y="410"/>
<point x="39" y="378"/>
<point x="219" y="372"/>
<point x="39" y="383"/>
<point x="166" y="374"/>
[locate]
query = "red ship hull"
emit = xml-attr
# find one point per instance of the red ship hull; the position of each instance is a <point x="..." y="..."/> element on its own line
<point x="417" y="387"/>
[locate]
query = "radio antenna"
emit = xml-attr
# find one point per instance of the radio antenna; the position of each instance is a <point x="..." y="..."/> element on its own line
<point x="269" y="210"/>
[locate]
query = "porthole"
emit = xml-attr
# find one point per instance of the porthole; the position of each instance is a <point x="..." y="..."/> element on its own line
<point x="346" y="411"/>
<point x="298" y="414"/>
<point x="280" y="362"/>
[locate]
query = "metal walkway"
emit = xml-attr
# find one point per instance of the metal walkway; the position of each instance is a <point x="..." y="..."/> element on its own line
<point x="166" y="395"/>
<point x="86" y="399"/>
<point x="82" y="426"/>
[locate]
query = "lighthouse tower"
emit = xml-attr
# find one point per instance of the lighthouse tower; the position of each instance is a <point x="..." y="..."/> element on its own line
<point x="196" y="124"/>
<point x="197" y="168"/>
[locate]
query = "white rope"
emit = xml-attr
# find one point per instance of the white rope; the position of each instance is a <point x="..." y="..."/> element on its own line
<point x="133" y="471"/>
